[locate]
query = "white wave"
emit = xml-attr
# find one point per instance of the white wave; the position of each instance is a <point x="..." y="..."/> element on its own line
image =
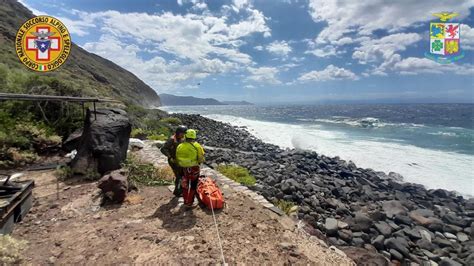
<point x="442" y="133"/>
<point x="432" y="168"/>
<point x="362" y="122"/>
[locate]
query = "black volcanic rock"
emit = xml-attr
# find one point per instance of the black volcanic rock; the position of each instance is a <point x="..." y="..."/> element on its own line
<point x="401" y="221"/>
<point x="104" y="142"/>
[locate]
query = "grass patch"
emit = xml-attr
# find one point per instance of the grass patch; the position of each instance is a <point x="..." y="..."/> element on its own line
<point x="287" y="207"/>
<point x="238" y="174"/>
<point x="140" y="173"/>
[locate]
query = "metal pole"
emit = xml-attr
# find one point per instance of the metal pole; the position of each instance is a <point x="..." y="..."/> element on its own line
<point x="95" y="112"/>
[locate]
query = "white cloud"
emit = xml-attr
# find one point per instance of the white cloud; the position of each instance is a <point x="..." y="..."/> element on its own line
<point x="297" y="59"/>
<point x="467" y="37"/>
<point x="415" y="65"/>
<point x="263" y="75"/>
<point x="201" y="5"/>
<point x="325" y="51"/>
<point x="177" y="34"/>
<point x="77" y="27"/>
<point x="373" y="49"/>
<point x="200" y="44"/>
<point x="331" y="72"/>
<point x="343" y="41"/>
<point x="364" y="17"/>
<point x="280" y="48"/>
<point x="288" y="66"/>
<point x="258" y="48"/>
<point x="156" y="72"/>
<point x="240" y="4"/>
<point x="254" y="23"/>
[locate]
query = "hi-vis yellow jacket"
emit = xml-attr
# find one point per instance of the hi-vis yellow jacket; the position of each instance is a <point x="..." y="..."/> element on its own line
<point x="189" y="154"/>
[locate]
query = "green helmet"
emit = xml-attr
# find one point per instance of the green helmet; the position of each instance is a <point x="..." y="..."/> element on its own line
<point x="190" y="134"/>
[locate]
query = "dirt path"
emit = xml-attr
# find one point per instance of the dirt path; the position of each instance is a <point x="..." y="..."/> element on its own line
<point x="151" y="228"/>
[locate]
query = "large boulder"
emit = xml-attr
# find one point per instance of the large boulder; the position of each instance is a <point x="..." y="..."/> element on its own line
<point x="104" y="142"/>
<point x="114" y="185"/>
<point x="393" y="207"/>
<point x="72" y="141"/>
<point x="361" y="222"/>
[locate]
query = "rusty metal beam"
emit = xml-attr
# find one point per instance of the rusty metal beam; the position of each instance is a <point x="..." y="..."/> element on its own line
<point x="34" y="97"/>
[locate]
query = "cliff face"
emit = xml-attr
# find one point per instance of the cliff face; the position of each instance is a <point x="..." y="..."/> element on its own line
<point x="92" y="74"/>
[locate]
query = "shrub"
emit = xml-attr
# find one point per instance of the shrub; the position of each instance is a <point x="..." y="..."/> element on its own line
<point x="237" y="173"/>
<point x="34" y="127"/>
<point x="12" y="157"/>
<point x="91" y="174"/>
<point x="146" y="173"/>
<point x="287" y="207"/>
<point x="172" y="121"/>
<point x="160" y="133"/>
<point x="138" y="133"/>
<point x="157" y="137"/>
<point x="63" y="172"/>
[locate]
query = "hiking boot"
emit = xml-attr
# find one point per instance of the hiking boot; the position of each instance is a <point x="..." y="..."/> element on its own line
<point x="178" y="193"/>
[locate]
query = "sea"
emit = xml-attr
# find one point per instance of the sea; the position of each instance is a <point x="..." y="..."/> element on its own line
<point x="428" y="144"/>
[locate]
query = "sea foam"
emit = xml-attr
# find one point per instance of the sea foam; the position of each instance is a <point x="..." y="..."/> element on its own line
<point x="432" y="168"/>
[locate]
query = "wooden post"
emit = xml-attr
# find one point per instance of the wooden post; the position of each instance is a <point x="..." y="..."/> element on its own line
<point x="95" y="112"/>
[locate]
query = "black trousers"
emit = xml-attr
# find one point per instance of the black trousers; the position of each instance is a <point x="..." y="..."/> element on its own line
<point x="178" y="174"/>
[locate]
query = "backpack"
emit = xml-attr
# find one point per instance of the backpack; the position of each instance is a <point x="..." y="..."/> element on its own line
<point x="209" y="193"/>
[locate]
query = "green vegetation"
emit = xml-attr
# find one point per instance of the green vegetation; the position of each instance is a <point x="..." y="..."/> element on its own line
<point x="237" y="173"/>
<point x="287" y="207"/>
<point x="171" y="121"/>
<point x="147" y="174"/>
<point x="91" y="174"/>
<point x="30" y="128"/>
<point x="83" y="75"/>
<point x="152" y="124"/>
<point x="64" y="172"/>
<point x="157" y="137"/>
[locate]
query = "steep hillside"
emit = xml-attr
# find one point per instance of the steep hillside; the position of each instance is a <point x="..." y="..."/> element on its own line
<point x="87" y="73"/>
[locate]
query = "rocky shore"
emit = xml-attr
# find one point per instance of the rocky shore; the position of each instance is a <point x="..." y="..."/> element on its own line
<point x="348" y="206"/>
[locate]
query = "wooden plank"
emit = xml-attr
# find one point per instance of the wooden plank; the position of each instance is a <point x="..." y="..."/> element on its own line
<point x="35" y="97"/>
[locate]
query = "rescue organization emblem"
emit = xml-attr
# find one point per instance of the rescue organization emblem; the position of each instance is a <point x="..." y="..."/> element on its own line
<point x="445" y="39"/>
<point x="43" y="43"/>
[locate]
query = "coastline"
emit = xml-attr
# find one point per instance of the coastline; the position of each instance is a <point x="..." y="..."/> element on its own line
<point x="347" y="205"/>
<point x="434" y="155"/>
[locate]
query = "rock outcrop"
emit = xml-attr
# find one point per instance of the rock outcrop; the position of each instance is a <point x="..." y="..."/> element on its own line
<point x="104" y="142"/>
<point x="114" y="186"/>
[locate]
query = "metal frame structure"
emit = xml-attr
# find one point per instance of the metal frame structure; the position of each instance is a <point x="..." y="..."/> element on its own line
<point x="36" y="97"/>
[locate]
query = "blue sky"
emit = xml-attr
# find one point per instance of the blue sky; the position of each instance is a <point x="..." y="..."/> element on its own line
<point x="276" y="51"/>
